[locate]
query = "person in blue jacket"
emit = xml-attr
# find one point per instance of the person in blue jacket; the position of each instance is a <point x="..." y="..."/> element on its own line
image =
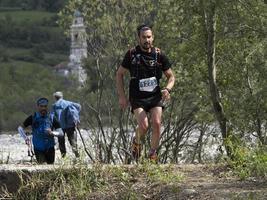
<point x="43" y="123"/>
<point x="67" y="113"/>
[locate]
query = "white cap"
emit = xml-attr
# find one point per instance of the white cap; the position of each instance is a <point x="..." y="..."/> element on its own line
<point x="58" y="94"/>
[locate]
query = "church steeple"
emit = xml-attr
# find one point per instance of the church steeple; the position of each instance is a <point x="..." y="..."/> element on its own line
<point x="78" y="50"/>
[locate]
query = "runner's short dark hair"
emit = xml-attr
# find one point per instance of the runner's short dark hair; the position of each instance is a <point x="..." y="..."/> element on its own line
<point x="143" y="27"/>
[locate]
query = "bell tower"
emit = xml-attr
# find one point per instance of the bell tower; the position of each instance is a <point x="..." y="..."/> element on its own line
<point x="78" y="48"/>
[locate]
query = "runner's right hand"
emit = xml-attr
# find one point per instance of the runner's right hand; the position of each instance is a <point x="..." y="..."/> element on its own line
<point x="165" y="95"/>
<point x="27" y="141"/>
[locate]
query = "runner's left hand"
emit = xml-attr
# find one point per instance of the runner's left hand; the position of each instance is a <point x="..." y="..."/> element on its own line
<point x="49" y="131"/>
<point x="165" y="95"/>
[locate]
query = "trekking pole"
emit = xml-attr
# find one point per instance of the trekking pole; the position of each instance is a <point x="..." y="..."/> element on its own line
<point x="87" y="152"/>
<point x="30" y="149"/>
<point x="27" y="141"/>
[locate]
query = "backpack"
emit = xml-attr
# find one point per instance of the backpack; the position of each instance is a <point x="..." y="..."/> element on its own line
<point x="40" y="139"/>
<point x="135" y="59"/>
<point x="40" y="123"/>
<point x="70" y="115"/>
<point x="133" y="54"/>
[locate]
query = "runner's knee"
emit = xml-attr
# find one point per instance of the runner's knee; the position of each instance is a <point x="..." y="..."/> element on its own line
<point x="143" y="126"/>
<point x="156" y="123"/>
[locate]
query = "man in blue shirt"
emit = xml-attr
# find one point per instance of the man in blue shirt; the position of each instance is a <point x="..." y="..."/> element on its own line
<point x="68" y="121"/>
<point x="43" y="123"/>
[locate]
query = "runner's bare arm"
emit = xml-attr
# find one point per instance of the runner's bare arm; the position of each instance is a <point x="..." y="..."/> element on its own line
<point x="170" y="82"/>
<point x="123" y="101"/>
<point x="170" y="78"/>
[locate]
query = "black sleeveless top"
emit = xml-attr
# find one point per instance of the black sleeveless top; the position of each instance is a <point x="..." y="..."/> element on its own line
<point x="145" y="71"/>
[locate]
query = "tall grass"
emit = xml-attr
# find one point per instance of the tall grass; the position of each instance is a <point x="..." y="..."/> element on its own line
<point x="97" y="182"/>
<point x="248" y="162"/>
<point x="62" y="183"/>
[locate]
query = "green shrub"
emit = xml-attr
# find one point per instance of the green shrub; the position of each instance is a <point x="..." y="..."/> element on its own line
<point x="248" y="162"/>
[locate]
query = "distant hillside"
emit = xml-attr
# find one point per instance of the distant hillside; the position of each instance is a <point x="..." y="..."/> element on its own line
<point x="47" y="5"/>
<point x="31" y="44"/>
<point x="31" y="36"/>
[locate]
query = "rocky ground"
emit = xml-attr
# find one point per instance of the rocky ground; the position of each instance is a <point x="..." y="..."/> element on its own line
<point x="206" y="182"/>
<point x="200" y="182"/>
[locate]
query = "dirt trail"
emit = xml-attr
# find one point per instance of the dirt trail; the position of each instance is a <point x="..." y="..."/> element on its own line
<point x="200" y="182"/>
<point x="206" y="182"/>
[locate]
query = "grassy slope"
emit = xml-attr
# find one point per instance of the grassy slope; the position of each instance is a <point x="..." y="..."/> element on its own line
<point x="33" y="17"/>
<point x="23" y="80"/>
<point x="30" y="16"/>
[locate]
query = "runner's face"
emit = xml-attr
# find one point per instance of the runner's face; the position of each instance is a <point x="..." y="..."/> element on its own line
<point x="42" y="109"/>
<point x="146" y="39"/>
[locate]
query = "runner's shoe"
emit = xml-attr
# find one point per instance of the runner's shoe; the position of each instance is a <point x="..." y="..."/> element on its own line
<point x="153" y="156"/>
<point x="136" y="149"/>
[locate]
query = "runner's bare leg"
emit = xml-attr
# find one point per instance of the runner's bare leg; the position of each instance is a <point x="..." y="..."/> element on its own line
<point x="142" y="121"/>
<point x="156" y="114"/>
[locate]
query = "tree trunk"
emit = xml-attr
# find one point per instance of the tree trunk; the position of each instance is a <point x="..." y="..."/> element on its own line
<point x="210" y="28"/>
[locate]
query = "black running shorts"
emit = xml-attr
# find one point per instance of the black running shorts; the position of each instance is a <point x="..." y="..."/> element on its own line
<point x="146" y="103"/>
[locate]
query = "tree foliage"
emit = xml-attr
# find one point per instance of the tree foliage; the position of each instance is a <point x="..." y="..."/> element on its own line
<point x="180" y="30"/>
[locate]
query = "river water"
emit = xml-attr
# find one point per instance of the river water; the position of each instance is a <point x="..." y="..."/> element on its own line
<point x="13" y="149"/>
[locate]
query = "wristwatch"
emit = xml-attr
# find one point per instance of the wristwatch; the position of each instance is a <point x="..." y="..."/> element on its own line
<point x="169" y="90"/>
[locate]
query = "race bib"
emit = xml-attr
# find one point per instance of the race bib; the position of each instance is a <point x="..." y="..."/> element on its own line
<point x="148" y="84"/>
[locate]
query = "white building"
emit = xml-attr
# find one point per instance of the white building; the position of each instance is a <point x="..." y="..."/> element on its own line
<point x="78" y="49"/>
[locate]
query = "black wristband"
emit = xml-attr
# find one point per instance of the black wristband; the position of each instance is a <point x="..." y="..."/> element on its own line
<point x="169" y="90"/>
